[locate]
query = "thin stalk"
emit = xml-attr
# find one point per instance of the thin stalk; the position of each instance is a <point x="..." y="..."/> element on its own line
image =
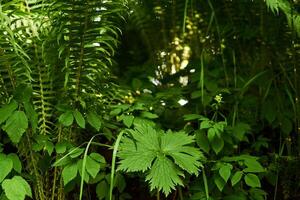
<point x="157" y="195"/>
<point x="205" y="184"/>
<point x="184" y="16"/>
<point x="113" y="164"/>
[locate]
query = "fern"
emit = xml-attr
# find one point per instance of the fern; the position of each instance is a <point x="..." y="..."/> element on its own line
<point x="164" y="156"/>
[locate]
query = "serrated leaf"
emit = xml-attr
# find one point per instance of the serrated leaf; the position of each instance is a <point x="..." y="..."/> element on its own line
<point x="7" y="110"/>
<point x="185" y="157"/>
<point x="164" y="175"/>
<point x="236" y="177"/>
<point x="17" y="166"/>
<point x="66" y="118"/>
<point x="94" y="120"/>
<point x="202" y="140"/>
<point x="225" y="172"/>
<point x="6" y="165"/>
<point x="252" y="180"/>
<point x="16" y="125"/>
<point x="69" y="173"/>
<point x="128" y="120"/>
<point x="92" y="167"/>
<point x="148" y="149"/>
<point x="16" y="188"/>
<point x="79" y="118"/>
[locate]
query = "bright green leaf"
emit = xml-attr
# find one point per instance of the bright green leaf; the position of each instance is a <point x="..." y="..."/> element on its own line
<point x="6" y="165"/>
<point x="128" y="120"/>
<point x="225" y="171"/>
<point x="66" y="118"/>
<point x="253" y="166"/>
<point x="236" y="177"/>
<point x="149" y="115"/>
<point x="79" y="118"/>
<point x="92" y="167"/>
<point x="252" y="180"/>
<point x="17" y="166"/>
<point x="16" y="125"/>
<point x="94" y="120"/>
<point x="7" y="110"/>
<point x="205" y="124"/>
<point x="16" y="188"/>
<point x="69" y="173"/>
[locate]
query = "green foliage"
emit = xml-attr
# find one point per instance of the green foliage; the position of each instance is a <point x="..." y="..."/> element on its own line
<point x="16" y="188"/>
<point x="220" y="76"/>
<point x="164" y="155"/>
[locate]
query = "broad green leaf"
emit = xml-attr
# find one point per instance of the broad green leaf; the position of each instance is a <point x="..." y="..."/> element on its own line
<point x="220" y="183"/>
<point x="225" y="171"/>
<point x="17" y="166"/>
<point x="102" y="190"/>
<point x="115" y="112"/>
<point x="164" y="175"/>
<point x="205" y="124"/>
<point x="252" y="180"/>
<point x="16" y="125"/>
<point x="6" y="165"/>
<point x="253" y="166"/>
<point x="202" y="141"/>
<point x="86" y="174"/>
<point x="76" y="152"/>
<point x="16" y="188"/>
<point x="92" y="167"/>
<point x="211" y="133"/>
<point x="236" y="177"/>
<point x="79" y="118"/>
<point x="94" y="120"/>
<point x="66" y="118"/>
<point x="97" y="157"/>
<point x="217" y="144"/>
<point x="128" y="120"/>
<point x="69" y="173"/>
<point x="149" y="115"/>
<point x="7" y="110"/>
<point x="61" y="147"/>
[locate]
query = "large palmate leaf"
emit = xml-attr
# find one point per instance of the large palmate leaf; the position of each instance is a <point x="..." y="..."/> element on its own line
<point x="163" y="155"/>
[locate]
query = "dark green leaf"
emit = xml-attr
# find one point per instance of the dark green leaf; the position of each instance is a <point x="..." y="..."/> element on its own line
<point x="94" y="120"/>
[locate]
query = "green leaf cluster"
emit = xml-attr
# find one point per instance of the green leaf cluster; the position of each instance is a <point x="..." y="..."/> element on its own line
<point x="164" y="156"/>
